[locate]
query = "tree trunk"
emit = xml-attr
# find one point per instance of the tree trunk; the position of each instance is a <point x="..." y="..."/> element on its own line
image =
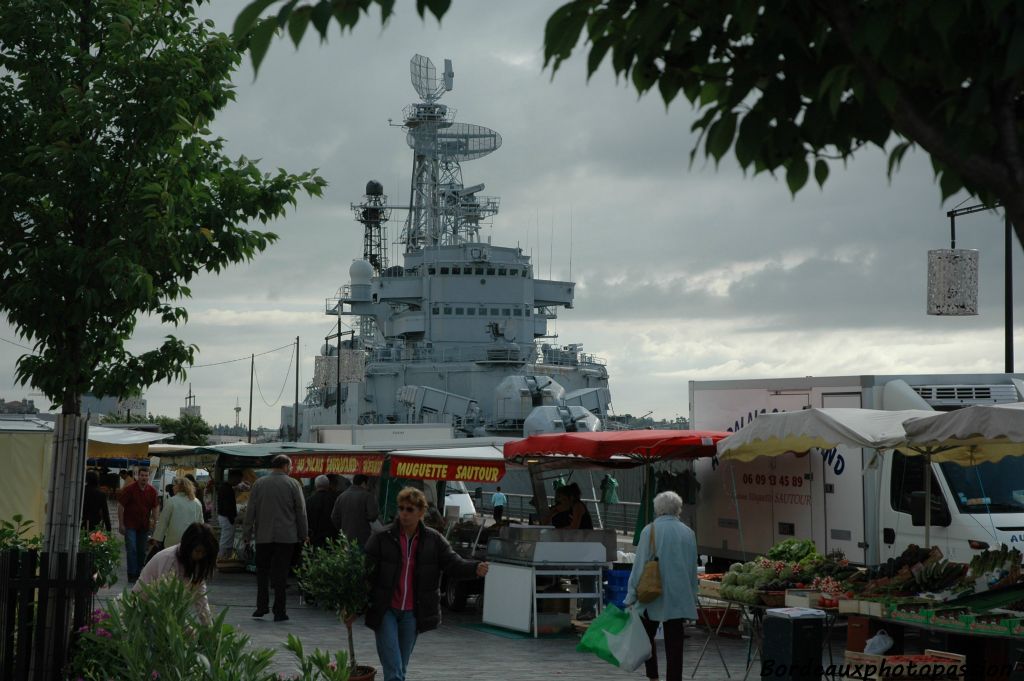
<point x="351" y="648"/>
<point x="61" y="533"/>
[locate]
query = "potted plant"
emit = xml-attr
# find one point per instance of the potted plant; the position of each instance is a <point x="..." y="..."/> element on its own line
<point x="335" y="577"/>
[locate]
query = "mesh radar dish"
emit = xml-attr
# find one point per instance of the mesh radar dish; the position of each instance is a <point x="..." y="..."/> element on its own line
<point x="453" y="142"/>
<point x="424" y="78"/>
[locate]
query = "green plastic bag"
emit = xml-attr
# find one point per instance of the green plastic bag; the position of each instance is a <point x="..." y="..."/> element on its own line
<point x="611" y="620"/>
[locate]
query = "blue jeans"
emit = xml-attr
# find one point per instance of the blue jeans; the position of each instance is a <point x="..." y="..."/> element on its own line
<point x="135" y="547"/>
<point x="396" y="637"/>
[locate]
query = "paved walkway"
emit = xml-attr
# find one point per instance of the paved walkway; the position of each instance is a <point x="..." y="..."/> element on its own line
<point x="453" y="651"/>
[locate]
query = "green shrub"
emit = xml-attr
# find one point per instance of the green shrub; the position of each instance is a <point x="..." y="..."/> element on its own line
<point x="335" y="576"/>
<point x="154" y="634"/>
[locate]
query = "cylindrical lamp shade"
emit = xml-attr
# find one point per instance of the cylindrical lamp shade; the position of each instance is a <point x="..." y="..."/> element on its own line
<point x="953" y="282"/>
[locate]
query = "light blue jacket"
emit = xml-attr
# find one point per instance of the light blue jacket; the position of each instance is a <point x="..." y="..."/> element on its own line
<point x="676" y="549"/>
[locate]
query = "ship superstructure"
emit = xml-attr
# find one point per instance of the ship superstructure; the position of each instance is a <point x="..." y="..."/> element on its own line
<point x="459" y="333"/>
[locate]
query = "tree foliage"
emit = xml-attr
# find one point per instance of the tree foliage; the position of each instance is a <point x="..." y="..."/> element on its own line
<point x="791" y="86"/>
<point x="115" y="194"/>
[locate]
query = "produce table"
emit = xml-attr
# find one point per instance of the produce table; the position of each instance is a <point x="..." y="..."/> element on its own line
<point x="754" y="615"/>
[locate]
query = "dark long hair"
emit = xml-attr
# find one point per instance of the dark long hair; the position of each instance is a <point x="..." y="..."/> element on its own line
<point x="198" y="535"/>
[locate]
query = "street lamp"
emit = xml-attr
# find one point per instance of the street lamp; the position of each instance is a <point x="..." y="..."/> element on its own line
<point x="953" y="277"/>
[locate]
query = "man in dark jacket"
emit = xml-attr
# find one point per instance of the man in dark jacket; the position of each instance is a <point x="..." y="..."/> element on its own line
<point x="354" y="510"/>
<point x="405" y="562"/>
<point x="318" y="512"/>
<point x="276" y="518"/>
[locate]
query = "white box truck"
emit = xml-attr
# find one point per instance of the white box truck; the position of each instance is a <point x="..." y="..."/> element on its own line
<point x="846" y="498"/>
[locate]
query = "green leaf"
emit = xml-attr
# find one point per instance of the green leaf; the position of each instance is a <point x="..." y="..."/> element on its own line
<point x="597" y="52"/>
<point x="796" y="174"/>
<point x="246" y="19"/>
<point x="562" y="32"/>
<point x="297" y="24"/>
<point x="321" y="16"/>
<point x="260" y="41"/>
<point x="820" y="172"/>
<point x="436" y="7"/>
<point x="896" y="157"/>
<point x="949" y="183"/>
<point x="720" y="135"/>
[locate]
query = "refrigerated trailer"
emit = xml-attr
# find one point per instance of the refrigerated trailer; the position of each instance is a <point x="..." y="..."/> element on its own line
<point x="867" y="505"/>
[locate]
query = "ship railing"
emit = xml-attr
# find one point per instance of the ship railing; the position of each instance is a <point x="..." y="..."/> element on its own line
<point x="332" y="306"/>
<point x="477" y="354"/>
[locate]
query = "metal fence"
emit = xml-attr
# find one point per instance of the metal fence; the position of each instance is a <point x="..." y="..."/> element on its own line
<point x="620" y="516"/>
<point x="27" y="595"/>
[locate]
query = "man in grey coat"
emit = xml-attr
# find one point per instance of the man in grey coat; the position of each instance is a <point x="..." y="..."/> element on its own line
<point x="354" y="510"/>
<point x="277" y="511"/>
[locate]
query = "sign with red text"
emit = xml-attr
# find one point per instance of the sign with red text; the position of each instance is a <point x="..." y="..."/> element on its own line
<point x="433" y="468"/>
<point x="311" y="465"/>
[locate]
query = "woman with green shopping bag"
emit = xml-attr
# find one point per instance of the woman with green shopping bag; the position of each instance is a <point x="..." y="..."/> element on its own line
<point x="669" y="542"/>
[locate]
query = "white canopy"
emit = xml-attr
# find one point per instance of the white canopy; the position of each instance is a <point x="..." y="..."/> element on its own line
<point x="800" y="431"/>
<point x="970" y="435"/>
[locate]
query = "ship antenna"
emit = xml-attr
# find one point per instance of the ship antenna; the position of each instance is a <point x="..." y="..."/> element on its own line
<point x="570" y="243"/>
<point x="551" y="245"/>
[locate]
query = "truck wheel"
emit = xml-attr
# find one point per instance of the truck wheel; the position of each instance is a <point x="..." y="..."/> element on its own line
<point x="455" y="595"/>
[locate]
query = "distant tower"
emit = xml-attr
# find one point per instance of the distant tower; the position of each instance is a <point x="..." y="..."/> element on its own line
<point x="238" y="411"/>
<point x="374" y="213"/>
<point x="190" y="408"/>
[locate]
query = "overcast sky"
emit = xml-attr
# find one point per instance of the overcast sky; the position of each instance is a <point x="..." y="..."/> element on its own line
<point x="683" y="274"/>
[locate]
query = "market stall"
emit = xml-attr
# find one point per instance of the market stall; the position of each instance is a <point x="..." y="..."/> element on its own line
<point x="531" y="565"/>
<point x="968" y="612"/>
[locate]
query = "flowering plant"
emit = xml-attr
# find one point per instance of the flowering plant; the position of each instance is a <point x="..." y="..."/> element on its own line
<point x="106" y="555"/>
<point x="154" y="635"/>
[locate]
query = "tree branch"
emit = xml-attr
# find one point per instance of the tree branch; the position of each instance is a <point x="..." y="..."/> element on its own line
<point x="980" y="170"/>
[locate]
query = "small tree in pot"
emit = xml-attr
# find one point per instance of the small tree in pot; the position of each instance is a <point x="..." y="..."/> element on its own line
<point x="335" y="576"/>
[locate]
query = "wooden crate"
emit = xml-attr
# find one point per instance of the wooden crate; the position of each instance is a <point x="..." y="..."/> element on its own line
<point x="709" y="588"/>
<point x="865" y="667"/>
<point x="850" y="606"/>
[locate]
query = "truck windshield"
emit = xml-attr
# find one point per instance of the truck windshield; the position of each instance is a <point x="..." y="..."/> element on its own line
<point x="987" y="487"/>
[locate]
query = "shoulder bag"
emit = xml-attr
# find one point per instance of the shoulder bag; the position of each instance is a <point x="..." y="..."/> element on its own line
<point x="649" y="586"/>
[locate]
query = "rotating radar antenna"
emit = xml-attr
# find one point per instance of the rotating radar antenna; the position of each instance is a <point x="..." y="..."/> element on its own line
<point x="425" y="81"/>
<point x="441" y="209"/>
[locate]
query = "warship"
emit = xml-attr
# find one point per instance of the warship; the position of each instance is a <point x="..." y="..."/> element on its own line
<point x="460" y="332"/>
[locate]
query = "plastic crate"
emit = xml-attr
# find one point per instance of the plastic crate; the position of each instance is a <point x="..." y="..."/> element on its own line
<point x="712" y="616"/>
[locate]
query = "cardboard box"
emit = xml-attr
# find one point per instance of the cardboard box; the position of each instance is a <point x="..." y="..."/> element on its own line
<point x="802" y="598"/>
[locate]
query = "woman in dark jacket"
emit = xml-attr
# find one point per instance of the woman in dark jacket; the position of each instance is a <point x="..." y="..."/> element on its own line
<point x="405" y="561"/>
<point x="95" y="514"/>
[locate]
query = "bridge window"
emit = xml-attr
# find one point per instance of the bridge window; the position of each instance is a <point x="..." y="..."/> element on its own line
<point x="527" y="312"/>
<point x="459" y="310"/>
<point x="471" y="311"/>
<point x="436" y="310"/>
<point x="517" y="312"/>
<point x="456" y="270"/>
<point x="479" y="271"/>
<point x="431" y="270"/>
<point x="502" y="272"/>
<point x="490" y="271"/>
<point x="495" y="312"/>
<point x="513" y="273"/>
<point x="447" y="310"/>
<point x="444" y="270"/>
<point x="506" y="312"/>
